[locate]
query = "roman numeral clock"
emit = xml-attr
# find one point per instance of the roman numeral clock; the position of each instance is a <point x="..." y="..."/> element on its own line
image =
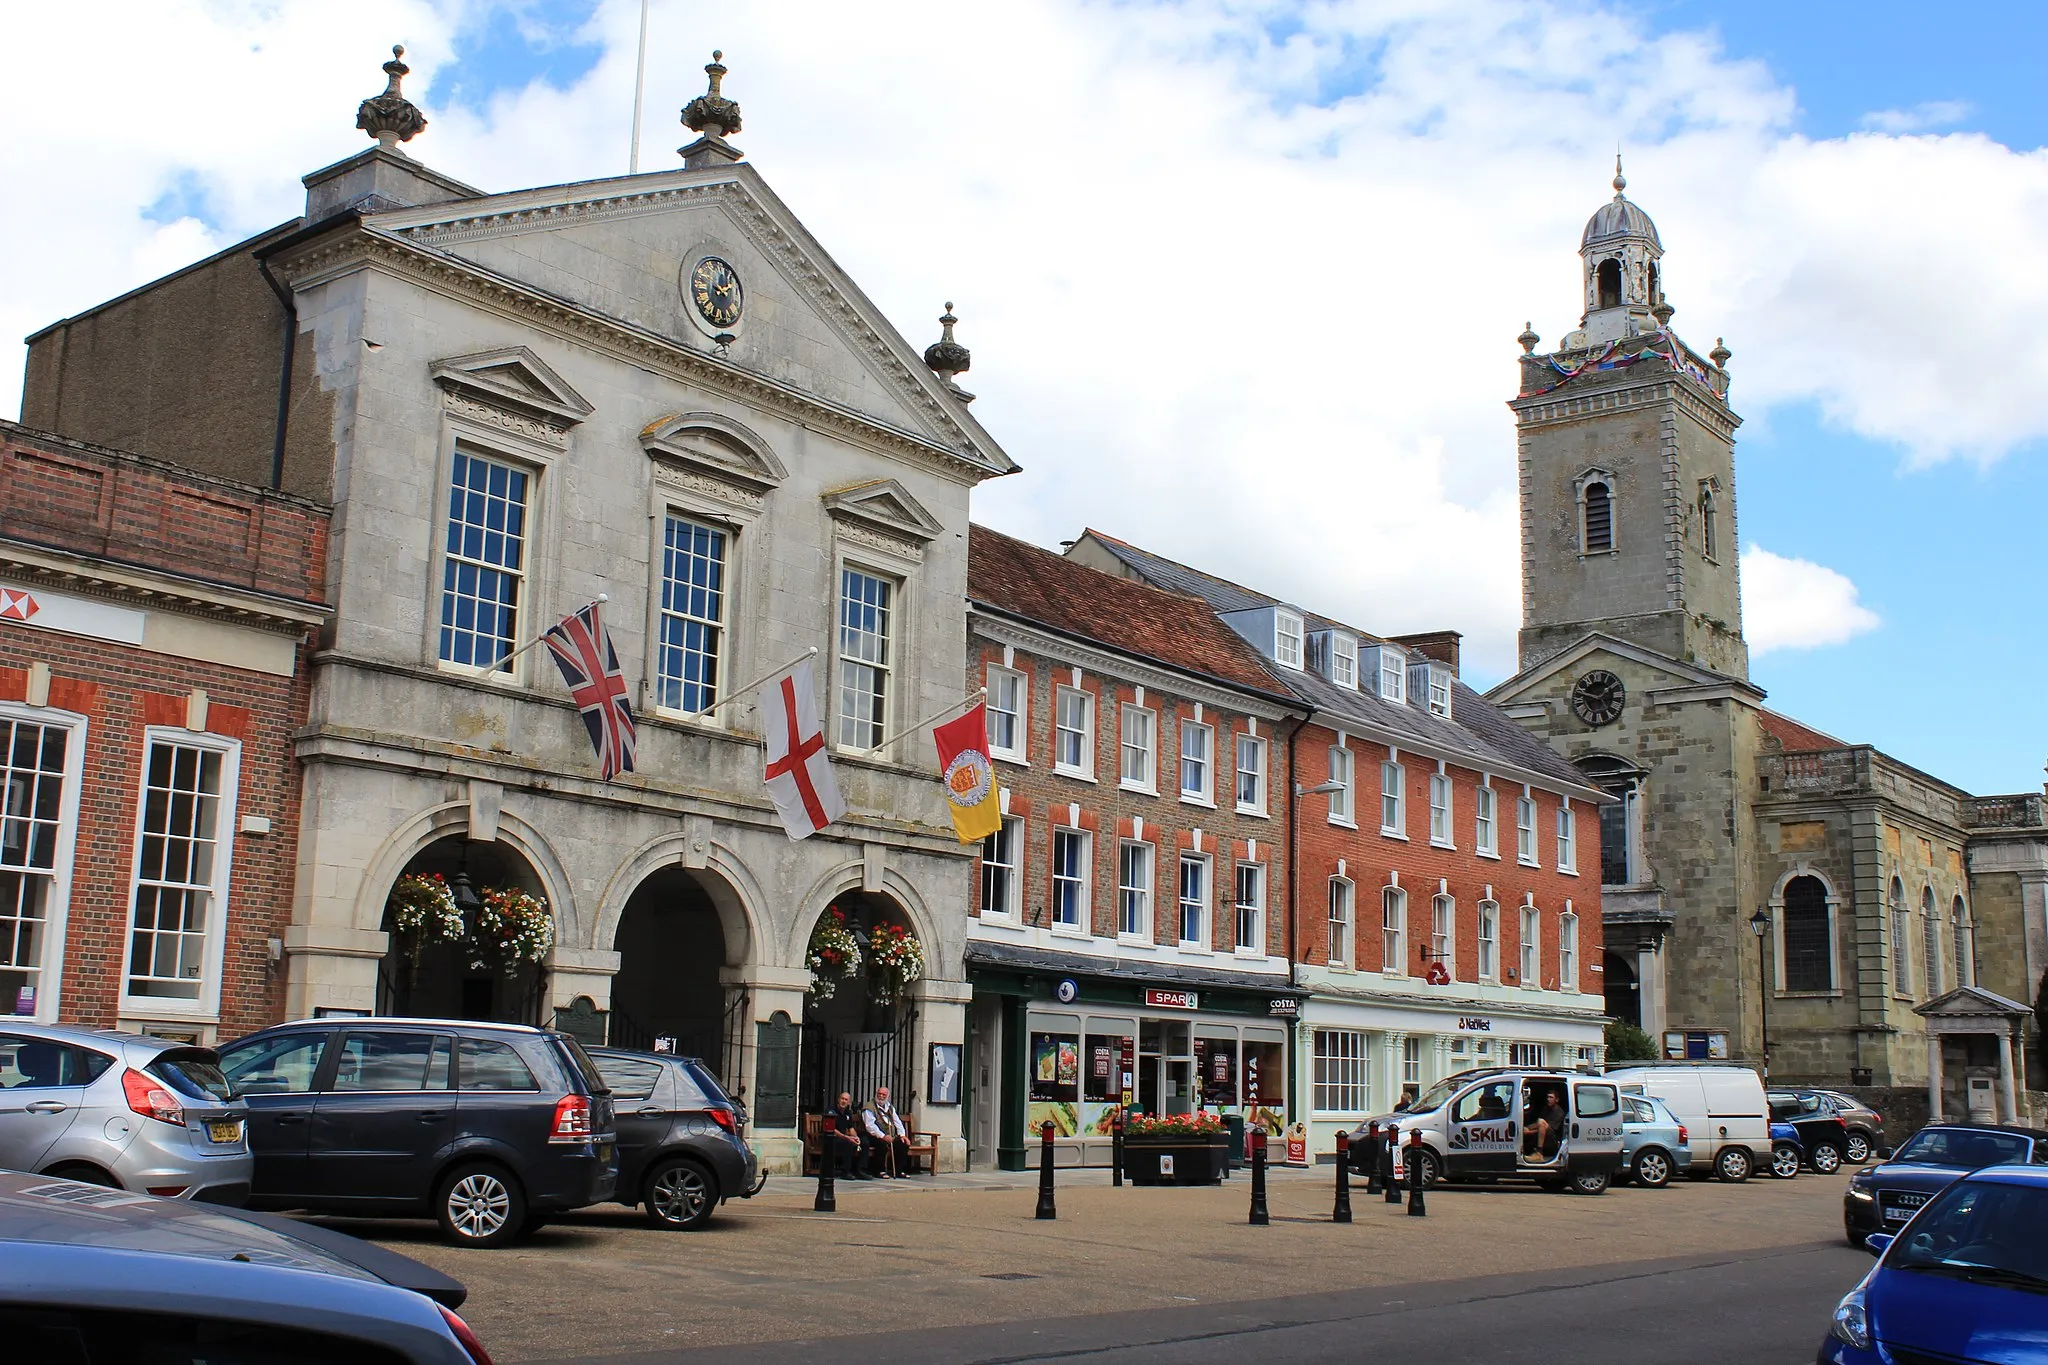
<point x="1597" y="698"/>
<point x="711" y="289"/>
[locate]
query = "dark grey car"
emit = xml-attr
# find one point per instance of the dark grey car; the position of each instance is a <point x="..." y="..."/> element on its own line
<point x="489" y="1128"/>
<point x="681" y="1152"/>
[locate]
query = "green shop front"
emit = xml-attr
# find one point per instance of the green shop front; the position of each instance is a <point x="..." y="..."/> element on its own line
<point x="1068" y="1038"/>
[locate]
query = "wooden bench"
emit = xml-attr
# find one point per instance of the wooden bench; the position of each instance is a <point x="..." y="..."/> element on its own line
<point x="922" y="1146"/>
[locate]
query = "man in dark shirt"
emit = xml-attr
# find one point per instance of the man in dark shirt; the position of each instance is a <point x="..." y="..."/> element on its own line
<point x="1550" y="1121"/>
<point x="849" y="1152"/>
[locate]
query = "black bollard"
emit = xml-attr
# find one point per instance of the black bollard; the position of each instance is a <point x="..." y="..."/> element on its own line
<point x="1415" y="1209"/>
<point x="1259" y="1218"/>
<point x="1342" y="1212"/>
<point x="1371" y="1156"/>
<point x="1390" y="1184"/>
<point x="1045" y="1204"/>
<point x="1116" y="1148"/>
<point x="828" y="1156"/>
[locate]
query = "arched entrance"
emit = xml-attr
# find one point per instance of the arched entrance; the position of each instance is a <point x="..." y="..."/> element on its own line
<point x="439" y="979"/>
<point x="859" y="1036"/>
<point x="1624" y="992"/>
<point x="668" y="995"/>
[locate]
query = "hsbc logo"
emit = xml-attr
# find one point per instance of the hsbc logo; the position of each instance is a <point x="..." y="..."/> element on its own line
<point x="17" y="605"/>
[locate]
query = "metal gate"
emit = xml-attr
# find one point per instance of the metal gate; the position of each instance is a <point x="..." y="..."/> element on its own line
<point x="717" y="1046"/>
<point x="858" y="1063"/>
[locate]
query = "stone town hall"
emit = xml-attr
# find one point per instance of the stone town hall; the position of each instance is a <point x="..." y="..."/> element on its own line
<point x="1901" y="920"/>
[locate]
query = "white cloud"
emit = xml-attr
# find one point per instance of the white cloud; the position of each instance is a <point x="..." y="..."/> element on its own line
<point x="1918" y="119"/>
<point x="1209" y="313"/>
<point x="1797" y="604"/>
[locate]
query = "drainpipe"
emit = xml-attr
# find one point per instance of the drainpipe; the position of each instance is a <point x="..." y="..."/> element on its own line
<point x="284" y="371"/>
<point x="1293" y="909"/>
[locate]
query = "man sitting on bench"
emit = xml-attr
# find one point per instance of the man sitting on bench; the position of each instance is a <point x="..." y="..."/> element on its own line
<point x="888" y="1141"/>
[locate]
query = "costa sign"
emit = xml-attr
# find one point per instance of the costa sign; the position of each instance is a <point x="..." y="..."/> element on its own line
<point x="1171" y="1000"/>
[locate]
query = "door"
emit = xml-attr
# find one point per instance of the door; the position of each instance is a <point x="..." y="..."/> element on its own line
<point x="642" y="1104"/>
<point x="382" y="1113"/>
<point x="1596" y="1119"/>
<point x="275" y="1075"/>
<point x="42" y="1088"/>
<point x="983" y="1102"/>
<point x="1546" y="1120"/>
<point x="1481" y="1140"/>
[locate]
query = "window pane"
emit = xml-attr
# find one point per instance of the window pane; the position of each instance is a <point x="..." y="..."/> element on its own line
<point x="629" y="1078"/>
<point x="486" y="1064"/>
<point x="486" y="550"/>
<point x="274" y="1066"/>
<point x="1194" y="900"/>
<point x="692" y="615"/>
<point x="385" y="1061"/>
<point x="864" y="659"/>
<point x="1194" y="759"/>
<point x="176" y="883"/>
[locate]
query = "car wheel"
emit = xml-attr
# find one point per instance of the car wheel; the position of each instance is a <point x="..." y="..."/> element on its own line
<point x="681" y="1195"/>
<point x="1826" y="1160"/>
<point x="84" y="1175"/>
<point x="1432" y="1168"/>
<point x="1859" y="1148"/>
<point x="1590" y="1182"/>
<point x="1653" y="1169"/>
<point x="480" y="1205"/>
<point x="1734" y="1164"/>
<point x="1784" y="1161"/>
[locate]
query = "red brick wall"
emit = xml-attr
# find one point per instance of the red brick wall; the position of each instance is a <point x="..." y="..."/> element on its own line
<point x="1370" y="859"/>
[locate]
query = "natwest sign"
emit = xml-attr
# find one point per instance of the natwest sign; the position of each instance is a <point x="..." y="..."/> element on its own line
<point x="1172" y="1000"/>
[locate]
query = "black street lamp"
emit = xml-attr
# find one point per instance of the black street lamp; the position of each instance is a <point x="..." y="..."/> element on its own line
<point x="1760" y="924"/>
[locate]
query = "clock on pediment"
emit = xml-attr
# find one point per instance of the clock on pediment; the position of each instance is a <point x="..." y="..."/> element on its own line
<point x="1597" y="698"/>
<point x="711" y="290"/>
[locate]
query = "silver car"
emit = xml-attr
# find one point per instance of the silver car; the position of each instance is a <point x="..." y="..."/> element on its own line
<point x="107" y="1108"/>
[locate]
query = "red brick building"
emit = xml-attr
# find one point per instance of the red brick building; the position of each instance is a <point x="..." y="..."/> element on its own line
<point x="155" y="626"/>
<point x="1130" y="942"/>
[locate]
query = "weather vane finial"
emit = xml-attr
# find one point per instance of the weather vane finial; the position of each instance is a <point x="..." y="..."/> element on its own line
<point x="1620" y="180"/>
<point x="391" y="118"/>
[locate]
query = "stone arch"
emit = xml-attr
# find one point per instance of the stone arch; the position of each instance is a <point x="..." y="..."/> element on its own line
<point x="734" y="892"/>
<point x="1793" y="910"/>
<point x="850" y="876"/>
<point x="1802" y="868"/>
<point x="451" y="819"/>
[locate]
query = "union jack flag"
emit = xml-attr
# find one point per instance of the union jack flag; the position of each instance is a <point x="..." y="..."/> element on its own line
<point x="590" y="666"/>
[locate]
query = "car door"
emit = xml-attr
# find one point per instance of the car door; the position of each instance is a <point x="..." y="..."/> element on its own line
<point x="42" y="1089"/>
<point x="500" y="1099"/>
<point x="1596" y="1119"/>
<point x="643" y="1107"/>
<point x="1482" y="1128"/>
<point x="274" y="1073"/>
<point x="384" y="1110"/>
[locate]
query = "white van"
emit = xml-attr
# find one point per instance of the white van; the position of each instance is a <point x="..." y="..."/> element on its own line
<point x="1488" y="1124"/>
<point x="1723" y="1108"/>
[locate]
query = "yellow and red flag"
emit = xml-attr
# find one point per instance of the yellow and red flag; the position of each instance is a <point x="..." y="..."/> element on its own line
<point x="969" y="776"/>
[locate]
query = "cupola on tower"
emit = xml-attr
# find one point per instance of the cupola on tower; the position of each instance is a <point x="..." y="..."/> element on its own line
<point x="1626" y="450"/>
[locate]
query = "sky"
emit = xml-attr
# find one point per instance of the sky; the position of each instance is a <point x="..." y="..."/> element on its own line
<point x="1242" y="279"/>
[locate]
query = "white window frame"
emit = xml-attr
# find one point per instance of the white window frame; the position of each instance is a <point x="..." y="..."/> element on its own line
<point x="1251" y="910"/>
<point x="718" y="626"/>
<point x="1343" y="768"/>
<point x="1083" y="882"/>
<point x="1013" y="827"/>
<point x="1016" y="706"/>
<point x="1568" y="952"/>
<point x="1134" y="878"/>
<point x="1443" y="931"/>
<point x="1439" y="691"/>
<point x="526" y="575"/>
<point x="1201" y="865"/>
<point x="1411" y="1063"/>
<point x="1256" y="771"/>
<point x="1393" y="800"/>
<point x="1393" y="931"/>
<point x="57" y="901"/>
<point x="1205" y="793"/>
<point x="1393" y="684"/>
<point x="213" y="949"/>
<point x="1343" y="659"/>
<point x="1341" y="1069"/>
<point x="1289" y="639"/>
<point x="1489" y="940"/>
<point x="1531" y="961"/>
<point x="1525" y="1055"/>
<point x="1442" y="797"/>
<point x="1486" y="822"/>
<point x="1138" y="748"/>
<point x="843" y="663"/>
<point x="1061" y="729"/>
<point x="1567" y="838"/>
<point x="1525" y="831"/>
<point x="1343" y="916"/>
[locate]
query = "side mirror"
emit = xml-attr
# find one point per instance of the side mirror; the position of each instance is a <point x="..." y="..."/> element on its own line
<point x="1876" y="1242"/>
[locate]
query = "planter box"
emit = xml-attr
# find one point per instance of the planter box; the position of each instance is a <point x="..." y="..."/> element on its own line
<point x="1194" y="1161"/>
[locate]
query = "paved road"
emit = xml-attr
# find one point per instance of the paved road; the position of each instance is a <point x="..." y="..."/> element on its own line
<point x="1753" y="1307"/>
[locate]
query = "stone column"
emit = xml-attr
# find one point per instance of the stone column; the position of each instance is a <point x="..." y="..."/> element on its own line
<point x="2008" y="1101"/>
<point x="1393" y="1046"/>
<point x="941" y="1018"/>
<point x="578" y="971"/>
<point x="770" y="990"/>
<point x="1933" y="1077"/>
<point x="1650" y="989"/>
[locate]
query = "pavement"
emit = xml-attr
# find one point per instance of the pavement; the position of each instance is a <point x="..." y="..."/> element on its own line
<point x="1161" y="1269"/>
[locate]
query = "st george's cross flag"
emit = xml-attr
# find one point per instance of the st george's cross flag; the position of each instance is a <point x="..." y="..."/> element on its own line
<point x="590" y="666"/>
<point x="969" y="777"/>
<point x="799" y="775"/>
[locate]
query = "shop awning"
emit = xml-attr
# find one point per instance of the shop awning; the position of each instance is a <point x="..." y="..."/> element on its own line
<point x="1013" y="958"/>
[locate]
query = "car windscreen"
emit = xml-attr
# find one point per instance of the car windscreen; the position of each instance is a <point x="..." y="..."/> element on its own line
<point x="1436" y="1096"/>
<point x="195" y="1071"/>
<point x="1963" y="1147"/>
<point x="1980" y="1230"/>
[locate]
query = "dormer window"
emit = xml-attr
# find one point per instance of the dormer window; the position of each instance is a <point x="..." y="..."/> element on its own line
<point x="1343" y="660"/>
<point x="1393" y="675"/>
<point x="1429" y="686"/>
<point x="1287" y="639"/>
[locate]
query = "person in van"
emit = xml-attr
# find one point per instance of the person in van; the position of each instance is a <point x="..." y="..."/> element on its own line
<point x="1543" y="1126"/>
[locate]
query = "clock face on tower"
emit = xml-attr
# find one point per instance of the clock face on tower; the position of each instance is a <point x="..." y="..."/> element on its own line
<point x="1597" y="698"/>
<point x="712" y="287"/>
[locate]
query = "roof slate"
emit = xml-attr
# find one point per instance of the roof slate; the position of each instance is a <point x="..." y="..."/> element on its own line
<point x="1794" y="737"/>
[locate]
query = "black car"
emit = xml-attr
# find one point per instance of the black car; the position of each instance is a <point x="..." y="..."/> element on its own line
<point x="680" y="1149"/>
<point x="1863" y="1125"/>
<point x="1823" y="1138"/>
<point x="490" y="1128"/>
<point x="1882" y="1198"/>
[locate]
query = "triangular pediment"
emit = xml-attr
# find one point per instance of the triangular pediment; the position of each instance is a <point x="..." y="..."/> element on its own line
<point x="1570" y="661"/>
<point x="886" y="506"/>
<point x="714" y="444"/>
<point x="513" y="377"/>
<point x="1972" y="1002"/>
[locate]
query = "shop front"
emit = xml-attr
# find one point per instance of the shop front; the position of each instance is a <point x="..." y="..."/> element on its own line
<point x="1077" y="1038"/>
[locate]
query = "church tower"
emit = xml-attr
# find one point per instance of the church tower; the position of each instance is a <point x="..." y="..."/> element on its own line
<point x="1627" y="467"/>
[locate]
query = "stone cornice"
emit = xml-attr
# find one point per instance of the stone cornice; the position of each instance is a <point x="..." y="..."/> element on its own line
<point x="158" y="589"/>
<point x="357" y="247"/>
<point x="1589" y="396"/>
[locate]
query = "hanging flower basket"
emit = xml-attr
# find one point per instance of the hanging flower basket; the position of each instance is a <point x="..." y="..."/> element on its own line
<point x="834" y="954"/>
<point x="895" y="959"/>
<point x="512" y="927"/>
<point x="422" y="910"/>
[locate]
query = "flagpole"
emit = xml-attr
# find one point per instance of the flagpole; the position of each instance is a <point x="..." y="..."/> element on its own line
<point x="639" y="92"/>
<point x="735" y="693"/>
<point x="493" y="667"/>
<point x="972" y="697"/>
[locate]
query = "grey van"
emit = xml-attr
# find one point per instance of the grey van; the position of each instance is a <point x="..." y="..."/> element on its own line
<point x="1491" y="1124"/>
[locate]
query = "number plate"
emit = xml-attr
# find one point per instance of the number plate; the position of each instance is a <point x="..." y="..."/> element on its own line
<point x="231" y="1131"/>
<point x="1900" y="1207"/>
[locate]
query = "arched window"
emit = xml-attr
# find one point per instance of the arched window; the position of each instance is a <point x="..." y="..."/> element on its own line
<point x="1656" y="292"/>
<point x="1930" y="930"/>
<point x="1902" y="941"/>
<point x="1808" y="948"/>
<point x="1710" y="522"/>
<point x="1598" y="518"/>
<point x="1609" y="277"/>
<point x="1966" y="951"/>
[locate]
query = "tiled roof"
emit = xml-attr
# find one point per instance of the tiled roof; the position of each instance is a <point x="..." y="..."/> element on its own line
<point x="1477" y="730"/>
<point x="1170" y="628"/>
<point x="1794" y="737"/>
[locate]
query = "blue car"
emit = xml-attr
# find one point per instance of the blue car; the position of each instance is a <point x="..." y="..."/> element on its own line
<point x="1654" y="1144"/>
<point x="1882" y="1198"/>
<point x="1965" y="1280"/>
